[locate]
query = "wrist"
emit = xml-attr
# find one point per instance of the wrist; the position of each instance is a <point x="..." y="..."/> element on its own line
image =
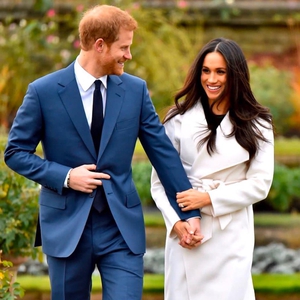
<point x="68" y="178"/>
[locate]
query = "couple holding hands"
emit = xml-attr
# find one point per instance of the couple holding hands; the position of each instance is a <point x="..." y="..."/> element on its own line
<point x="212" y="160"/>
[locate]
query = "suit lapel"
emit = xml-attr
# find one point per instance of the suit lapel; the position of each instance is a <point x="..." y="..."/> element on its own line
<point x="71" y="99"/>
<point x="114" y="100"/>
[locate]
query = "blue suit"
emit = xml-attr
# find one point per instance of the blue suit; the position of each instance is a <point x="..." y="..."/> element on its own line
<point x="52" y="113"/>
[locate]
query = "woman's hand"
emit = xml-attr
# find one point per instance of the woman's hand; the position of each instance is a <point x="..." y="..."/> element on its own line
<point x="192" y="199"/>
<point x="188" y="233"/>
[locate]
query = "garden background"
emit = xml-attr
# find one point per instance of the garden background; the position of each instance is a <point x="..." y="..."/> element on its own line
<point x="40" y="36"/>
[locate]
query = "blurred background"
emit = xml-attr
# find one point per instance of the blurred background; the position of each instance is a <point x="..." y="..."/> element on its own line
<point x="41" y="36"/>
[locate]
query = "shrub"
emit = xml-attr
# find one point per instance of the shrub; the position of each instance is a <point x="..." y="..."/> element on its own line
<point x="141" y="173"/>
<point x="19" y="213"/>
<point x="283" y="196"/>
<point x="9" y="288"/>
<point x="272" y="88"/>
<point x="285" y="188"/>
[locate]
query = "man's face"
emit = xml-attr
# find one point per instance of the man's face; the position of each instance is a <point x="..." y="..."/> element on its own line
<point x="115" y="55"/>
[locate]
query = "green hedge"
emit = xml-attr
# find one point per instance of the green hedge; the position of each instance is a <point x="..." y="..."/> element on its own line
<point x="284" y="195"/>
<point x="141" y="173"/>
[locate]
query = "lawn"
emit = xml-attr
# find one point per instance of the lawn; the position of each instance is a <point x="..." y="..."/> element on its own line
<point x="154" y="283"/>
<point x="155" y="219"/>
<point x="277" y="220"/>
<point x="283" y="147"/>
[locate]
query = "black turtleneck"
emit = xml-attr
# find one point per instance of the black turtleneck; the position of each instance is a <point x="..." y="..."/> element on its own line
<point x="212" y="119"/>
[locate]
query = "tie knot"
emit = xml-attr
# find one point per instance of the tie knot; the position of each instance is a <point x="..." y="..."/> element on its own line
<point x="97" y="84"/>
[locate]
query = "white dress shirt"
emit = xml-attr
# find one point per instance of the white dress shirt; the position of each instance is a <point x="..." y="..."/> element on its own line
<point x="85" y="82"/>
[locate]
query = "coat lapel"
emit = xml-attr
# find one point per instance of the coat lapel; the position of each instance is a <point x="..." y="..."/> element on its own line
<point x="229" y="152"/>
<point x="71" y="99"/>
<point x="114" y="100"/>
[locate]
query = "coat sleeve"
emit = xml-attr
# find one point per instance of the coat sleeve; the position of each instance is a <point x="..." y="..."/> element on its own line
<point x="254" y="187"/>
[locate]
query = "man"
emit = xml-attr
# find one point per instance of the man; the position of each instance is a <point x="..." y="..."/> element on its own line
<point x="90" y="213"/>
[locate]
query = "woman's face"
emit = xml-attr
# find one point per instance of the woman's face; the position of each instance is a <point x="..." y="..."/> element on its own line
<point x="214" y="76"/>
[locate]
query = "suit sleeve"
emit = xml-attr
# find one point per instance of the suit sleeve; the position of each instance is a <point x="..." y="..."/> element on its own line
<point x="25" y="135"/>
<point x="163" y="156"/>
<point x="157" y="189"/>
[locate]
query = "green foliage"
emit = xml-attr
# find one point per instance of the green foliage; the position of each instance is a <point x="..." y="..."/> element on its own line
<point x="30" y="49"/>
<point x="9" y="289"/>
<point x="141" y="173"/>
<point x="285" y="188"/>
<point x="19" y="213"/>
<point x="284" y="192"/>
<point x="161" y="50"/>
<point x="287" y="147"/>
<point x="272" y="88"/>
<point x="162" y="53"/>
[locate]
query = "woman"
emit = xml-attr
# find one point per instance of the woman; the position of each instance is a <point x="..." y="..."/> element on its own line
<point x="226" y="144"/>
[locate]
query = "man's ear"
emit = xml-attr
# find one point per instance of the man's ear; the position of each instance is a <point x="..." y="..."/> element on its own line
<point x="99" y="45"/>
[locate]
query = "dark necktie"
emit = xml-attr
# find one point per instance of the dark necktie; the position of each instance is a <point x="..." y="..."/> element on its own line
<point x="97" y="116"/>
<point x="96" y="130"/>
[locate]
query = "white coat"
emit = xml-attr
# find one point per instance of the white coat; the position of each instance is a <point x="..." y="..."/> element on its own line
<point x="220" y="268"/>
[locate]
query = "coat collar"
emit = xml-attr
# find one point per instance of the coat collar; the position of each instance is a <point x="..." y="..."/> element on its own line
<point x="203" y="164"/>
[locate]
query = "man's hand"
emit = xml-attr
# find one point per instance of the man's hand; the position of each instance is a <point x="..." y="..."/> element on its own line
<point x="189" y="235"/>
<point x="85" y="179"/>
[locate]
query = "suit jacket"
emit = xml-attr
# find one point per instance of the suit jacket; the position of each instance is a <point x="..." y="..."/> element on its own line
<point x="225" y="255"/>
<point x="52" y="113"/>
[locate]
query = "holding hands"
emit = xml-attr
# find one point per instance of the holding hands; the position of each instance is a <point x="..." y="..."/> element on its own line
<point x="188" y="233"/>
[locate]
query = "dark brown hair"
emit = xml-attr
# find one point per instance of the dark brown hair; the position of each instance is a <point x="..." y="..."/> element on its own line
<point x="245" y="112"/>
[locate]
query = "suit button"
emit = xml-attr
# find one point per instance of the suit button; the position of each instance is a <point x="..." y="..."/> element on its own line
<point x="91" y="195"/>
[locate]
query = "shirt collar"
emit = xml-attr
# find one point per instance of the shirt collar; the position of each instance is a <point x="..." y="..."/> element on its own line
<point x="85" y="79"/>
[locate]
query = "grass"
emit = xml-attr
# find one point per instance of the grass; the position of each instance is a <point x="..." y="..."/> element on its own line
<point x="277" y="283"/>
<point x="276" y="220"/>
<point x="155" y="219"/>
<point x="287" y="146"/>
<point x="283" y="147"/>
<point x="154" y="283"/>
